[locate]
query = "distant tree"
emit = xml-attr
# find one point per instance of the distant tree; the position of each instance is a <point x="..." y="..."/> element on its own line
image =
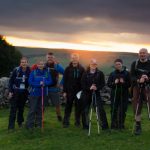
<point x="9" y="57"/>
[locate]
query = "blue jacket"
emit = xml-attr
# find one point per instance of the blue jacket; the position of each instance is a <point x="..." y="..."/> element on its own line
<point x="19" y="80"/>
<point x="55" y="70"/>
<point x="35" y="78"/>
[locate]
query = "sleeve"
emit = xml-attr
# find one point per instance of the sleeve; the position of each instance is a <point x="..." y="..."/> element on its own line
<point x="11" y="80"/>
<point x="84" y="84"/>
<point x="101" y="83"/>
<point x="110" y="82"/>
<point x="60" y="70"/>
<point x="65" y="77"/>
<point x="133" y="73"/>
<point x="127" y="83"/>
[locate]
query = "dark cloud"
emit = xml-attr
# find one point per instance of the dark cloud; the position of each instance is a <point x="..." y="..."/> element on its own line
<point x="68" y="16"/>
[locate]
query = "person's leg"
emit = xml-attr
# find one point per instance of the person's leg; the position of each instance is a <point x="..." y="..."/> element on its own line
<point x="12" y="114"/>
<point x="122" y="110"/>
<point x="21" y="103"/>
<point x="114" y="111"/>
<point x="101" y="113"/>
<point x="55" y="99"/>
<point x="32" y="112"/>
<point x="68" y="109"/>
<point x="77" y="111"/>
<point x="137" y="107"/>
<point x="86" y="103"/>
<point x="39" y="112"/>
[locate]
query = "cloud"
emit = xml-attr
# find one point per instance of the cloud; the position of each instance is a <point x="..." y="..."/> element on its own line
<point x="69" y="17"/>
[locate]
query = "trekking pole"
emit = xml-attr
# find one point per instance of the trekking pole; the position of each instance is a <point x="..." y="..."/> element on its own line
<point x="114" y="102"/>
<point x="42" y="88"/>
<point x="96" y="110"/>
<point x="121" y="108"/>
<point x="147" y="102"/>
<point x="91" y="112"/>
<point x="137" y="107"/>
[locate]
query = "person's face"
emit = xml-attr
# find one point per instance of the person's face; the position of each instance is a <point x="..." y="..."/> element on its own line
<point x="40" y="65"/>
<point x="93" y="66"/>
<point x="23" y="63"/>
<point x="143" y="54"/>
<point x="118" y="65"/>
<point x="74" y="60"/>
<point x="50" y="58"/>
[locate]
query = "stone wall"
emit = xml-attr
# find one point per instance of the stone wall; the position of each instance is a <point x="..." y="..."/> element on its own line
<point x="4" y="101"/>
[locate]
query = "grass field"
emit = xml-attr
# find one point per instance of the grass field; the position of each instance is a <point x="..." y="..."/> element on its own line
<point x="54" y="137"/>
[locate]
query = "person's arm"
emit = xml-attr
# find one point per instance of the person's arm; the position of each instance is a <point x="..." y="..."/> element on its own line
<point x="61" y="71"/>
<point x="133" y="73"/>
<point x="11" y="80"/>
<point x="65" y="79"/>
<point x="84" y="84"/>
<point x="101" y="83"/>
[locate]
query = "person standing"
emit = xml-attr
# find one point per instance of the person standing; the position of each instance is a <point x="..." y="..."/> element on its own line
<point x="140" y="77"/>
<point x="18" y="92"/>
<point x="39" y="80"/>
<point x="93" y="81"/>
<point x="55" y="69"/>
<point x="72" y="85"/>
<point x="119" y="82"/>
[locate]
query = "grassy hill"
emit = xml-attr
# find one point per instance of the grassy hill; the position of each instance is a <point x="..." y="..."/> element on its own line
<point x="105" y="59"/>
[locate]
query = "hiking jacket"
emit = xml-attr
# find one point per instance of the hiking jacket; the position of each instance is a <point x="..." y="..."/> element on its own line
<point x="96" y="78"/>
<point x="35" y="78"/>
<point x="72" y="78"/>
<point x="19" y="80"/>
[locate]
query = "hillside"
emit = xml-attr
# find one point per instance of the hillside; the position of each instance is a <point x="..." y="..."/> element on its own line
<point x="105" y="59"/>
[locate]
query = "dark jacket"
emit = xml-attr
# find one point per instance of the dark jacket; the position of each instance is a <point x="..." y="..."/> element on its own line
<point x="88" y="79"/>
<point x="117" y="75"/>
<point x="19" y="80"/>
<point x="139" y="68"/>
<point x="72" y="78"/>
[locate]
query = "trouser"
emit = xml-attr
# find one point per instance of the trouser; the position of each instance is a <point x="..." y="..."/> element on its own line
<point x="17" y="103"/>
<point x="87" y="99"/>
<point x="35" y="112"/>
<point x="119" y="104"/>
<point x="71" y="98"/>
<point x="140" y="95"/>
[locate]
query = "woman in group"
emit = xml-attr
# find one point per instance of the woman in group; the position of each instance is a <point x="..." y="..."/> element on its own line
<point x="39" y="79"/>
<point x="92" y="82"/>
<point x="119" y="82"/>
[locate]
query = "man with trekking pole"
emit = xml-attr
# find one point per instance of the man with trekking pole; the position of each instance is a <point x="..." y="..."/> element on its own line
<point x="140" y="76"/>
<point x="119" y="82"/>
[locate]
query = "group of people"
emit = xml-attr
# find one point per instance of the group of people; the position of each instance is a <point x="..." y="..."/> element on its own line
<point x="41" y="83"/>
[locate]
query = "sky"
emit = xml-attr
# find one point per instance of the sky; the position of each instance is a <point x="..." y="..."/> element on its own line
<point x="106" y="25"/>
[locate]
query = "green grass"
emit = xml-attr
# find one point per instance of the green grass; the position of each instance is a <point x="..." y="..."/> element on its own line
<point x="54" y="137"/>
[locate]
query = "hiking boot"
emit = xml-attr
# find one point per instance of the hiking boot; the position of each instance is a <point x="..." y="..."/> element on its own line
<point x="20" y="125"/>
<point x="138" y="129"/>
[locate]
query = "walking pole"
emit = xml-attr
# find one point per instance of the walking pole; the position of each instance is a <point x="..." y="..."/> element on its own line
<point x="137" y="107"/>
<point x="96" y="109"/>
<point x="114" y="103"/>
<point x="121" y="108"/>
<point x="91" y="112"/>
<point x="42" y="108"/>
<point x="147" y="102"/>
